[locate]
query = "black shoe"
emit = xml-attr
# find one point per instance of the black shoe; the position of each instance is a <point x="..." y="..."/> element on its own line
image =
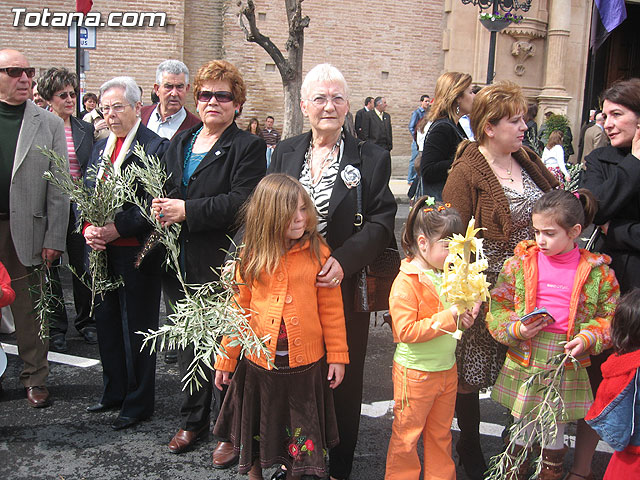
<point x="100" y="407"/>
<point x="124" y="422"/>
<point x="58" y="343"/>
<point x="170" y="356"/>
<point x="279" y="474"/>
<point x="90" y="335"/>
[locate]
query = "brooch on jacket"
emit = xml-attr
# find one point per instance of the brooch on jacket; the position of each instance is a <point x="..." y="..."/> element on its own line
<point x="350" y="176"/>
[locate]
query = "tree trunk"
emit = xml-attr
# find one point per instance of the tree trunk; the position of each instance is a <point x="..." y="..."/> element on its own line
<point x="290" y="68"/>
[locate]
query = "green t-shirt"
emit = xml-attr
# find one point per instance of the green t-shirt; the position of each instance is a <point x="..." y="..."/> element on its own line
<point x="10" y="123"/>
<point x="437" y="354"/>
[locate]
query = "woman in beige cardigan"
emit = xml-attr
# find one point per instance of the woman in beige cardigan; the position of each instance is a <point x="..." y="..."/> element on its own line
<point x="495" y="180"/>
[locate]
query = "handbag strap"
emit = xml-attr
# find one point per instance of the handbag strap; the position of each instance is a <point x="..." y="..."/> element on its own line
<point x="359" y="218"/>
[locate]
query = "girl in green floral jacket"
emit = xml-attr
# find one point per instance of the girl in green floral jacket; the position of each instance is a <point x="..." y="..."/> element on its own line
<point x="579" y="292"/>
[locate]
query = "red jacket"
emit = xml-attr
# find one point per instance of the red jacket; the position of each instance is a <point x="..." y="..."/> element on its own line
<point x="8" y="295"/>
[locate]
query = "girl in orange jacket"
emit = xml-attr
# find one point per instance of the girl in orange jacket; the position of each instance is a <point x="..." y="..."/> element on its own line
<point x="424" y="366"/>
<point x="283" y="414"/>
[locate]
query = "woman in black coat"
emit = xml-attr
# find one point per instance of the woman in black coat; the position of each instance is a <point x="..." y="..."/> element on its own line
<point x="613" y="175"/>
<point x="328" y="163"/>
<point x="453" y="99"/>
<point x="59" y="87"/>
<point x="213" y="168"/>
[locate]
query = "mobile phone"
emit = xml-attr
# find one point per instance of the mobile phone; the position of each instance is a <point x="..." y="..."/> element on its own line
<point x="532" y="317"/>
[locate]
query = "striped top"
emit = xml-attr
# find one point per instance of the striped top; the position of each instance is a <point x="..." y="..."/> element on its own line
<point x="320" y="192"/>
<point x="74" y="166"/>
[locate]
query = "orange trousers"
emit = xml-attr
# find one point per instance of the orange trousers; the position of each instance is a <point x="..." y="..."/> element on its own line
<point x="424" y="406"/>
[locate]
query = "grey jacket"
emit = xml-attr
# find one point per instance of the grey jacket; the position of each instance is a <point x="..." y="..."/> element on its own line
<point x="39" y="212"/>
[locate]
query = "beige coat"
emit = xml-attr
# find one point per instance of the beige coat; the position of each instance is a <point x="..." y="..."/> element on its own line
<point x="594" y="137"/>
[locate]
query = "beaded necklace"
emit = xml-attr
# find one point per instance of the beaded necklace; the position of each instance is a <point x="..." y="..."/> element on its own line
<point x="187" y="157"/>
<point x="328" y="160"/>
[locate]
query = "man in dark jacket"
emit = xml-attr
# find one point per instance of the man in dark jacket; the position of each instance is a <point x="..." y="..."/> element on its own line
<point x="376" y="125"/>
<point x="368" y="106"/>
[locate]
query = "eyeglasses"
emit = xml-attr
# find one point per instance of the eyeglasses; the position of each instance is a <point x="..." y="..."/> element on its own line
<point x="16" y="72"/>
<point x="222" y="97"/>
<point x="116" y="108"/>
<point x="64" y="95"/>
<point x="321" y="100"/>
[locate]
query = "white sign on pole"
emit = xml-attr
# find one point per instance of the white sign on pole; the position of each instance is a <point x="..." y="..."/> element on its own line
<point x="87" y="37"/>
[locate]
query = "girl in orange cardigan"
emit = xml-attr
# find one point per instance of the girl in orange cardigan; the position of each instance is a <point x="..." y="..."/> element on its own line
<point x="283" y="415"/>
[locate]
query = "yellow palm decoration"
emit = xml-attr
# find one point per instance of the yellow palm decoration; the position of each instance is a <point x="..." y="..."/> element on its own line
<point x="463" y="281"/>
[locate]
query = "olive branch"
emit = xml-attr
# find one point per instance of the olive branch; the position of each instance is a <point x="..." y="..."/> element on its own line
<point x="208" y="311"/>
<point x="539" y="426"/>
<point x="44" y="301"/>
<point x="96" y="205"/>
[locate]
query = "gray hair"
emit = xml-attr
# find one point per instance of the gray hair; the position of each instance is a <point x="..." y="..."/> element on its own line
<point x="173" y="67"/>
<point x="128" y="84"/>
<point x="321" y="73"/>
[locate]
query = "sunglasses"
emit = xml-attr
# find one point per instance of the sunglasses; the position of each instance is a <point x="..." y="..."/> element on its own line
<point x="16" y="72"/>
<point x="64" y="95"/>
<point x="222" y="97"/>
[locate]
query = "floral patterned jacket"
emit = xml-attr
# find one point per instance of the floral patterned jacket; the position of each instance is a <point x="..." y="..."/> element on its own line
<point x="593" y="300"/>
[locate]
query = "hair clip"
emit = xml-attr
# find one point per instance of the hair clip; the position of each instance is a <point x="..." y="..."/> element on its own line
<point x="427" y="210"/>
<point x="429" y="201"/>
<point x="577" y="195"/>
<point x="448" y="205"/>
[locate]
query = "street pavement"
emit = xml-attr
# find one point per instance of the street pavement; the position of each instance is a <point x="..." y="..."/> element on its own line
<point x="64" y="442"/>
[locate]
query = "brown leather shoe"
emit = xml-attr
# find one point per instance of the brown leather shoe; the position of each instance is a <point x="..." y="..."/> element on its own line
<point x="185" y="439"/>
<point x="38" y="397"/>
<point x="224" y="455"/>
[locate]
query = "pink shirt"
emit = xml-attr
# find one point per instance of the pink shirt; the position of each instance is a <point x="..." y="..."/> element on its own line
<point x="74" y="166"/>
<point x="556" y="274"/>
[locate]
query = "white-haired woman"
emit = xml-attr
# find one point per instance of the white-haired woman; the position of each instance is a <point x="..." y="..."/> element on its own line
<point x="325" y="160"/>
<point x="128" y="373"/>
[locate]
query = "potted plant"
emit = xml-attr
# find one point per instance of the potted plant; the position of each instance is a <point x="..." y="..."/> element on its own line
<point x="495" y="22"/>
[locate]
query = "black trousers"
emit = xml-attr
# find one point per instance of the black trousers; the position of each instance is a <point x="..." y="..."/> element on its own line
<point x="199" y="407"/>
<point x="128" y="373"/>
<point x="77" y="251"/>
<point x="347" y="397"/>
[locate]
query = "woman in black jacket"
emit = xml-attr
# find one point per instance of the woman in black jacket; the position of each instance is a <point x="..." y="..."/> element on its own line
<point x="453" y="99"/>
<point x="613" y="175"/>
<point x="213" y="168"/>
<point x="328" y="163"/>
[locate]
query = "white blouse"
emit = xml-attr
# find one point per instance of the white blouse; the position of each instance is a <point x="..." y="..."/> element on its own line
<point x="555" y="158"/>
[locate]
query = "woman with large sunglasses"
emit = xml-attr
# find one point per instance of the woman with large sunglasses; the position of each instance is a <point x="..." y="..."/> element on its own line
<point x="59" y="87"/>
<point x="213" y="168"/>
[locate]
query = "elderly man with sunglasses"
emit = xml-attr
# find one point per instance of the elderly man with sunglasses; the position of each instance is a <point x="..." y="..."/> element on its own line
<point x="33" y="213"/>
<point x="128" y="372"/>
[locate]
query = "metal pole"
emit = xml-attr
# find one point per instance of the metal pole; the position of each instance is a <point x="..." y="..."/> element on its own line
<point x="492" y="49"/>
<point x="78" y="69"/>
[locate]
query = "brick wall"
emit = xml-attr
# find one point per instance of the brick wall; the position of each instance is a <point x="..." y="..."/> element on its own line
<point x="363" y="38"/>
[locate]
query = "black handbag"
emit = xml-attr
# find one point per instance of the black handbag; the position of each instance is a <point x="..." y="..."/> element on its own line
<point x="374" y="281"/>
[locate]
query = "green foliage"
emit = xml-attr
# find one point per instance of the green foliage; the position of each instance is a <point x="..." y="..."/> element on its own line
<point x="574" y="172"/>
<point x="208" y="311"/>
<point x="45" y="303"/>
<point x="553" y="123"/>
<point x="539" y="426"/>
<point x="97" y="206"/>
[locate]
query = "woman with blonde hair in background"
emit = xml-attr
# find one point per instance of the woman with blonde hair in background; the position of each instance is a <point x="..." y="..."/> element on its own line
<point x="453" y="99"/>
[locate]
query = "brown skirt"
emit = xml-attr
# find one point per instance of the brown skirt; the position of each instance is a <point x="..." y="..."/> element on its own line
<point x="284" y="416"/>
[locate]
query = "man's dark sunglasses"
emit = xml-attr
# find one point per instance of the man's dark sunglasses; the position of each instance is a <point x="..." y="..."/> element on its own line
<point x="222" y="97"/>
<point x="16" y="72"/>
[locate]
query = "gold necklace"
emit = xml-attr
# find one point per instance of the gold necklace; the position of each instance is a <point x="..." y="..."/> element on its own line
<point x="508" y="170"/>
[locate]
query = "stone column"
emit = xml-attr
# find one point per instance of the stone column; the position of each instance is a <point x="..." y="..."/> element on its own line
<point x="554" y="93"/>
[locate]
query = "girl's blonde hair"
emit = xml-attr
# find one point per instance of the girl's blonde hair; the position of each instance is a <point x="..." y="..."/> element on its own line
<point x="267" y="216"/>
<point x="449" y="87"/>
<point x="435" y="221"/>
